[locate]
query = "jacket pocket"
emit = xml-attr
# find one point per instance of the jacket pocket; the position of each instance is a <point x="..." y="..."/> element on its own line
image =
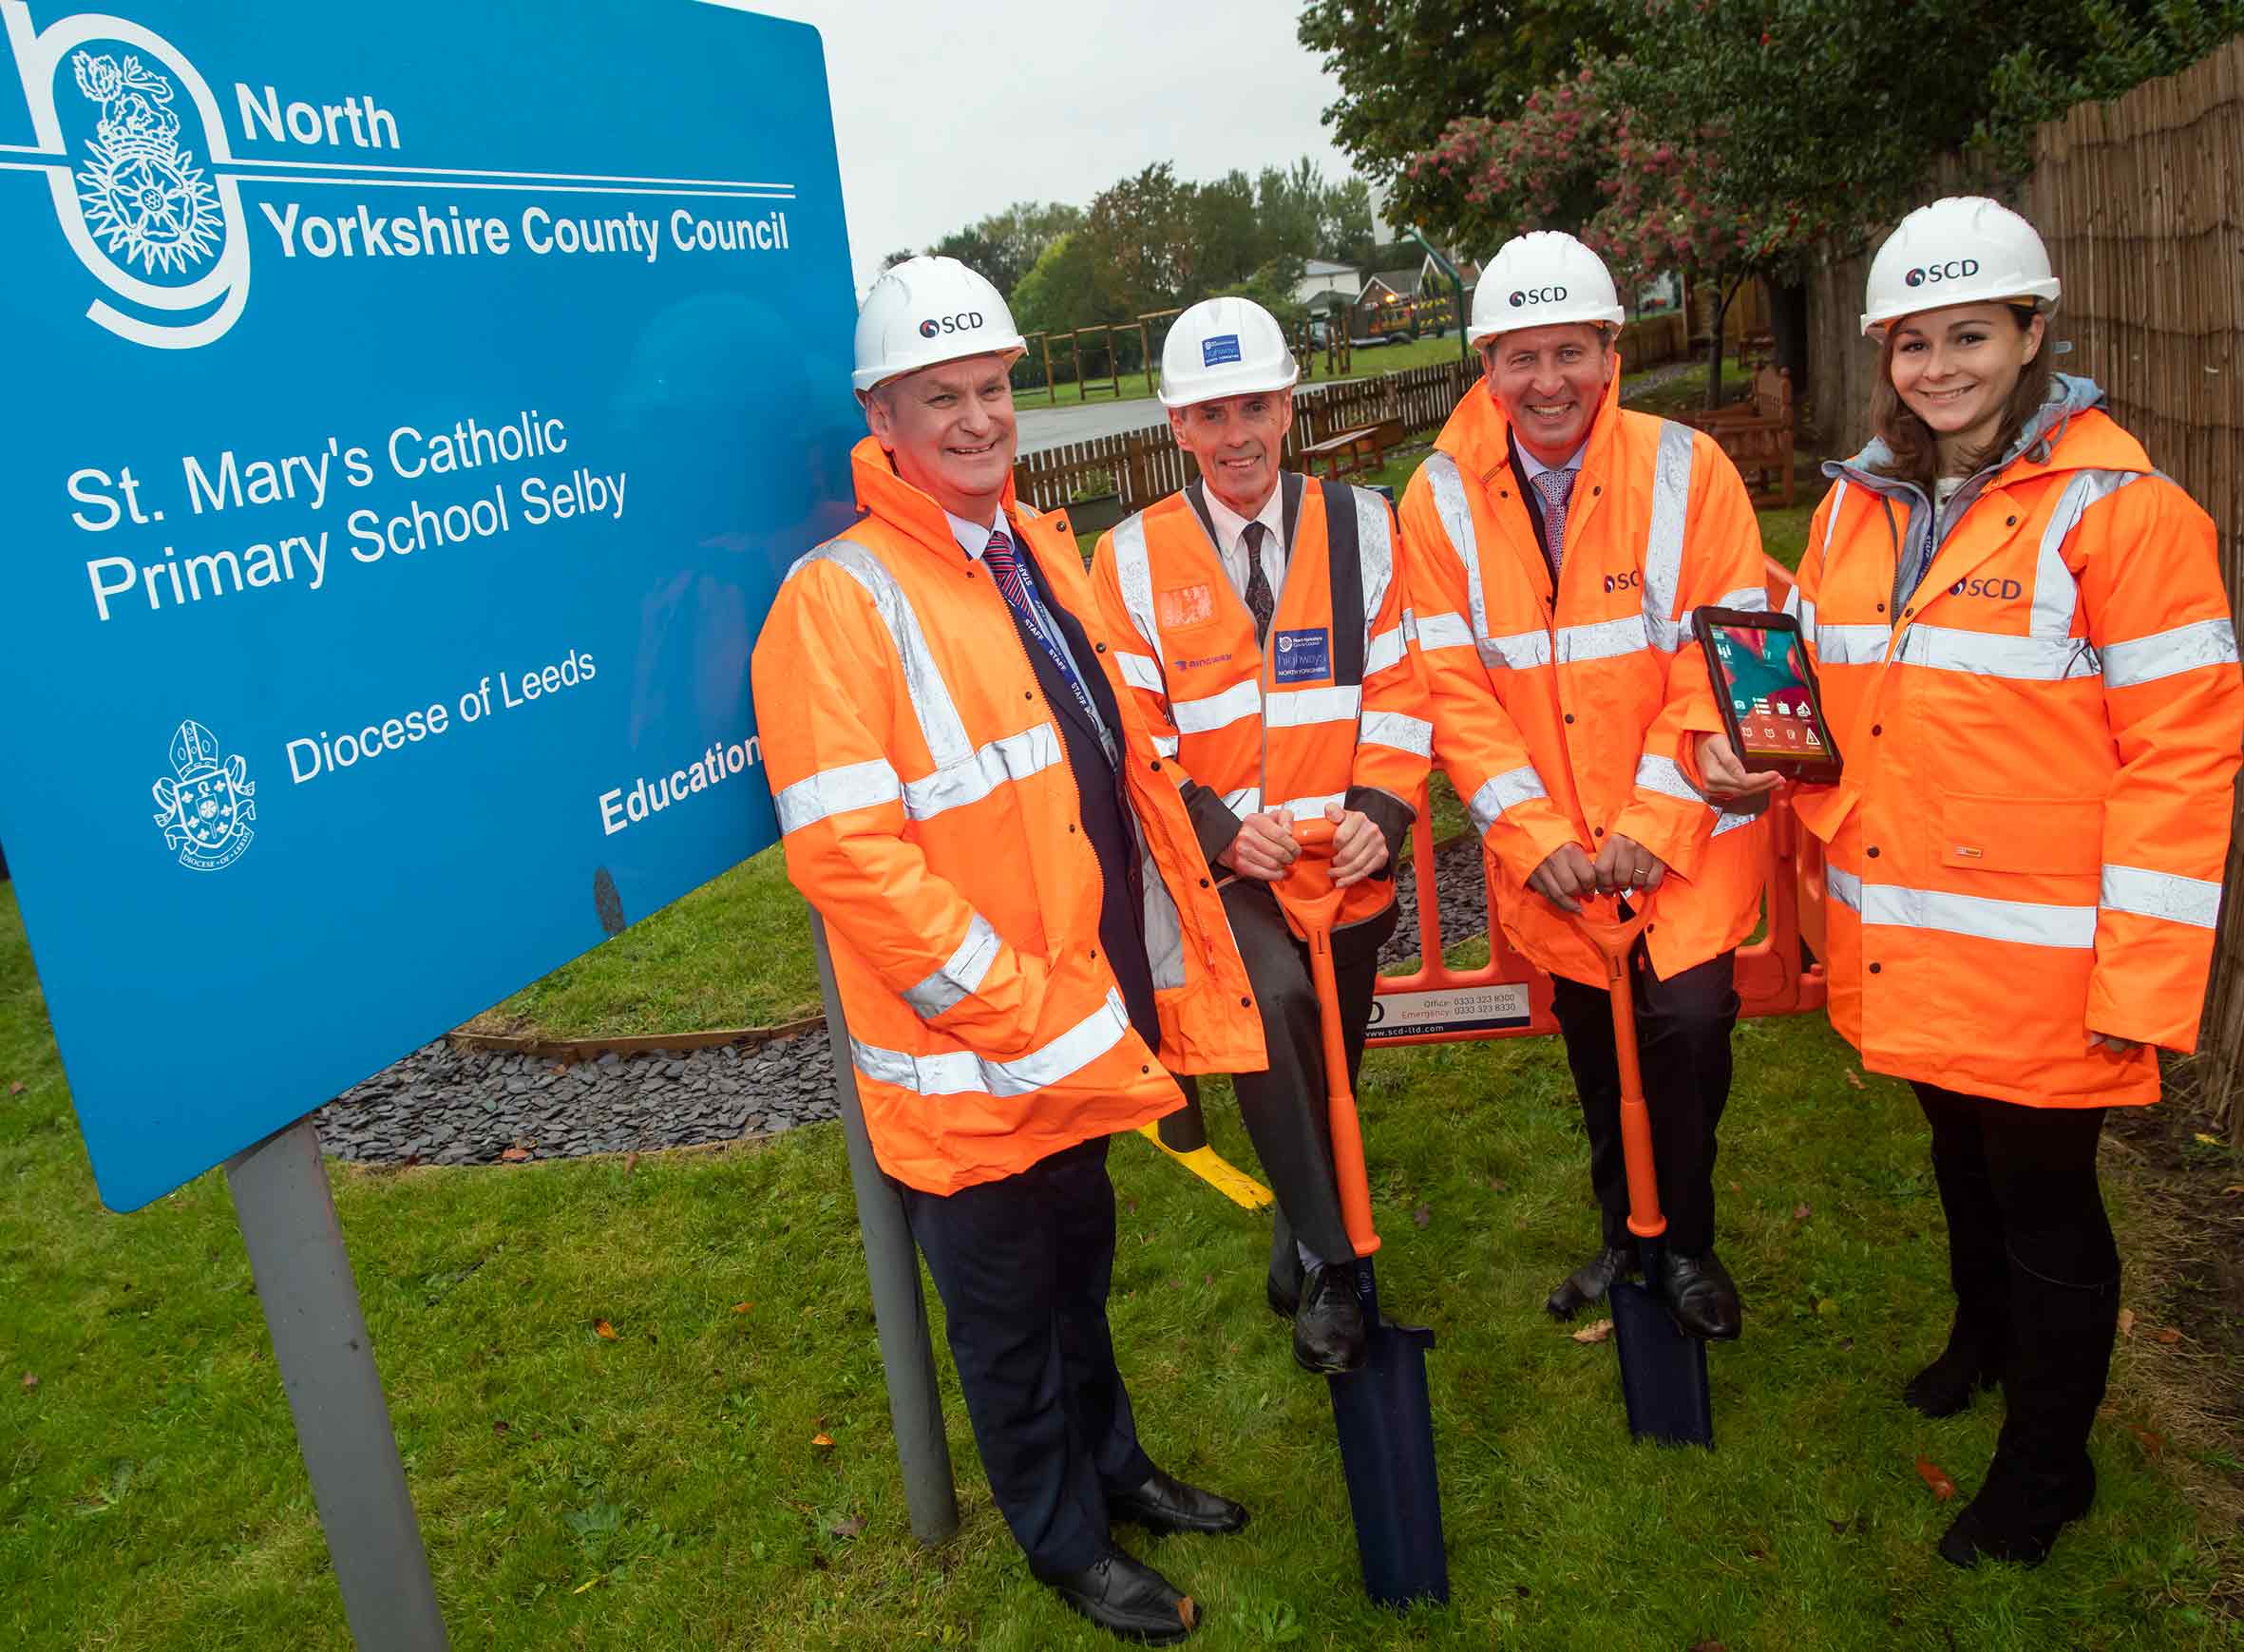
<point x="2058" y="836"/>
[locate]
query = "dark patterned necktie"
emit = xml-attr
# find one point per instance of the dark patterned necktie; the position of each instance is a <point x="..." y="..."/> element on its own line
<point x="1556" y="486"/>
<point x="1260" y="603"/>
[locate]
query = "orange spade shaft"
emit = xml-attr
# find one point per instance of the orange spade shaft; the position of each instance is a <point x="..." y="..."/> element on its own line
<point x="1614" y="939"/>
<point x="1313" y="916"/>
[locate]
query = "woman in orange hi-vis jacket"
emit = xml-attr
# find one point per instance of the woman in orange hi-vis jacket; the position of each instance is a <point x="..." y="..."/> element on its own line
<point x="1024" y="932"/>
<point x="2029" y="666"/>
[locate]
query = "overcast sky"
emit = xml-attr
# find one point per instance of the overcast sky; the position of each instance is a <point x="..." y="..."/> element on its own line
<point x="945" y="113"/>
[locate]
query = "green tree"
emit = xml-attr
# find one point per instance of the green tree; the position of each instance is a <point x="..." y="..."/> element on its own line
<point x="1407" y="68"/>
<point x="1006" y="246"/>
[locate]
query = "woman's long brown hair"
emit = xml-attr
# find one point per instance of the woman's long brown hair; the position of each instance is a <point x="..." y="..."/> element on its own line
<point x="1917" y="451"/>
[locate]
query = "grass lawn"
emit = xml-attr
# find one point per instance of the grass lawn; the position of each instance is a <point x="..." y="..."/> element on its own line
<point x="664" y="1489"/>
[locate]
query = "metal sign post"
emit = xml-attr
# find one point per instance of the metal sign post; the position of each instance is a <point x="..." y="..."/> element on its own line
<point x="900" y="1309"/>
<point x="287" y="1214"/>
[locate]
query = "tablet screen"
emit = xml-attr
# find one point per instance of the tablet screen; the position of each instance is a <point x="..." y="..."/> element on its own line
<point x="1768" y="690"/>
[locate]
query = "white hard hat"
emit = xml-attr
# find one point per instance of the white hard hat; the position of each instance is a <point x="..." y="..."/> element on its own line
<point x="926" y="310"/>
<point x="1963" y="250"/>
<point x="1543" y="279"/>
<point x="1223" y="346"/>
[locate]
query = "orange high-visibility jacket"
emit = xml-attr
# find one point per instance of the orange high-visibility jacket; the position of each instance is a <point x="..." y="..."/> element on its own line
<point x="2027" y="838"/>
<point x="1334" y="705"/>
<point x="930" y="815"/>
<point x="1562" y="717"/>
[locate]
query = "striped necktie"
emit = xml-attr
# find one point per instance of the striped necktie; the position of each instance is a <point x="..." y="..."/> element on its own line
<point x="1260" y="602"/>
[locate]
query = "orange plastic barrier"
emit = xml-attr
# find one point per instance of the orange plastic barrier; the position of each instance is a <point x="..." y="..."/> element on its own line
<point x="1508" y="998"/>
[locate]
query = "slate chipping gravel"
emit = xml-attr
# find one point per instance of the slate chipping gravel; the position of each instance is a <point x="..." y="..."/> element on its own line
<point x="442" y="1105"/>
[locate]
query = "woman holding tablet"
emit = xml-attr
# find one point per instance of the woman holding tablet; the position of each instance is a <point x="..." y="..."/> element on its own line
<point x="2027" y="660"/>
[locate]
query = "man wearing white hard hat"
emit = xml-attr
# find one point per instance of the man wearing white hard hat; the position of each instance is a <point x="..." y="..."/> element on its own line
<point x="1017" y="910"/>
<point x="2028" y="658"/>
<point x="1555" y="547"/>
<point x="1262" y="620"/>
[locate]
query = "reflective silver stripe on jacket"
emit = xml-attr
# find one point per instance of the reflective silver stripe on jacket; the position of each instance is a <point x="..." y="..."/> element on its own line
<point x="835" y="792"/>
<point x="1603" y="640"/>
<point x="1521" y="651"/>
<point x="962" y="976"/>
<point x="1831" y="520"/>
<point x="1245" y="801"/>
<point x="1241" y="700"/>
<point x="1313" y="808"/>
<point x="1990" y="653"/>
<point x="2057" y="594"/>
<point x="1803" y="611"/>
<point x="1133" y="573"/>
<point x="2167" y="895"/>
<point x="2165" y="653"/>
<point x="1298" y="708"/>
<point x="1663" y="538"/>
<point x="1440" y="631"/>
<point x="1450" y="504"/>
<point x="1851" y="644"/>
<point x="2025" y="922"/>
<point x="962" y="1072"/>
<point x="1506" y="790"/>
<point x="1664" y="775"/>
<point x="1726" y="821"/>
<point x="1387" y="649"/>
<point x="962" y="773"/>
<point x="1403" y="732"/>
<point x="1375" y="556"/>
<point x="1166" y="745"/>
<point x="1141" y="670"/>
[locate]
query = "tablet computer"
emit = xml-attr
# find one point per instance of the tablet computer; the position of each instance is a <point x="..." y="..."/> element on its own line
<point x="1766" y="690"/>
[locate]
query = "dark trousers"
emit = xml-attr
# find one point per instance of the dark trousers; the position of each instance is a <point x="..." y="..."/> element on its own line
<point x="1683" y="1041"/>
<point x="1023" y="1267"/>
<point x="2019" y="1181"/>
<point x="1284" y="1106"/>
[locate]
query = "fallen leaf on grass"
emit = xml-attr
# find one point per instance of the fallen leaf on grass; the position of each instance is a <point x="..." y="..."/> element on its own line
<point x="822" y="1440"/>
<point x="603" y="1329"/>
<point x="1422" y="1215"/>
<point x="16" y="1088"/>
<point x="2210" y="1141"/>
<point x="1935" y="1477"/>
<point x="631" y="1161"/>
<point x="30" y="1382"/>
<point x="2238" y="1187"/>
<point x="1497" y="1184"/>
<point x="2126" y="1322"/>
<point x="498" y="1425"/>
<point x="849" y="1527"/>
<point x="2152" y="1444"/>
<point x="1853" y="1078"/>
<point x="1801" y="1211"/>
<point x="1708" y="1646"/>
<point x="2169" y="1336"/>
<point x="585" y="1585"/>
<point x="515" y="1155"/>
<point x="1597" y="1332"/>
<point x="742" y="1307"/>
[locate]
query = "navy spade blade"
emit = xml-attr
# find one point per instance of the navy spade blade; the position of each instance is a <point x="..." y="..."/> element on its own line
<point x="1662" y="1372"/>
<point x="1385" y="1416"/>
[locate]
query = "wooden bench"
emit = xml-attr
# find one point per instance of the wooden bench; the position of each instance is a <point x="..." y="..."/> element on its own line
<point x="1757" y="435"/>
<point x="1363" y="447"/>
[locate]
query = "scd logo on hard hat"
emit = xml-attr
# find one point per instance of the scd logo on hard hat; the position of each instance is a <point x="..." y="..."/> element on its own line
<point x="965" y="321"/>
<point x="1954" y="270"/>
<point x="1538" y="296"/>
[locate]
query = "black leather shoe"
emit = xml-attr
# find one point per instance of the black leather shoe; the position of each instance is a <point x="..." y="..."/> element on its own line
<point x="1123" y="1595"/>
<point x="1166" y="1504"/>
<point x="1329" y="1330"/>
<point x="1589" y="1282"/>
<point x="1701" y="1297"/>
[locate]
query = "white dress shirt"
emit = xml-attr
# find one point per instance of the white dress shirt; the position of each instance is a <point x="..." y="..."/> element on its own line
<point x="1230" y="533"/>
<point x="1536" y="466"/>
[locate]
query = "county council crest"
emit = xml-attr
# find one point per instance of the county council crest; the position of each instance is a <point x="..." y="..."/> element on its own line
<point x="206" y="802"/>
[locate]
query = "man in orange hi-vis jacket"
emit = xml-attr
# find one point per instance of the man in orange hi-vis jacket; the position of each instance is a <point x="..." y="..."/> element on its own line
<point x="1024" y="932"/>
<point x="1555" y="546"/>
<point x="1262" y="623"/>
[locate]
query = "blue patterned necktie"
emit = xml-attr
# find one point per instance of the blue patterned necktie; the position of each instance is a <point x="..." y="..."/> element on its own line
<point x="1003" y="562"/>
<point x="1556" y="486"/>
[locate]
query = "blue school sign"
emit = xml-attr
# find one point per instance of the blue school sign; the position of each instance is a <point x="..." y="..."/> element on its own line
<point x="410" y="413"/>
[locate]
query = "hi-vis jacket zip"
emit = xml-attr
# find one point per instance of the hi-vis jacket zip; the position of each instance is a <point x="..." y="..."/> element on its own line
<point x="928" y="813"/>
<point x="1334" y="704"/>
<point x="2039" y="740"/>
<point x="1566" y="715"/>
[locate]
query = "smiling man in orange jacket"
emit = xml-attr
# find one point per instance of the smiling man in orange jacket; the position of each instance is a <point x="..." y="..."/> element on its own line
<point x="1024" y="932"/>
<point x="1556" y="547"/>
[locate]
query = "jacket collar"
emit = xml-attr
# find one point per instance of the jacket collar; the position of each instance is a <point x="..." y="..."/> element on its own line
<point x="2056" y="438"/>
<point x="1478" y="433"/>
<point x="883" y="494"/>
